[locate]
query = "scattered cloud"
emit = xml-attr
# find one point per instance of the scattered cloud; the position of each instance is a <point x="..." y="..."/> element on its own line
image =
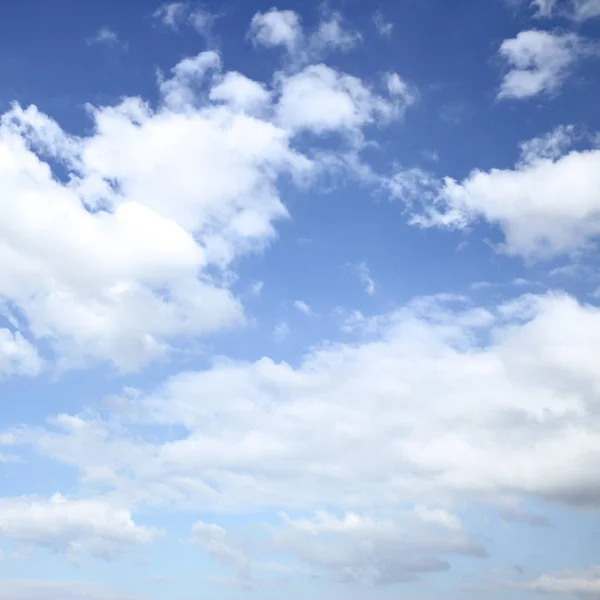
<point x="383" y="27"/>
<point x="359" y="549"/>
<point x="303" y="307"/>
<point x="18" y="355"/>
<point x="175" y="15"/>
<point x="470" y="412"/>
<point x="277" y="28"/>
<point x="576" y="10"/>
<point x="283" y="28"/>
<point x="364" y="275"/>
<point x="281" y="331"/>
<point x="106" y="37"/>
<point x="73" y="527"/>
<point x="439" y="517"/>
<point x="527" y="202"/>
<point x="538" y="62"/>
<point x="171" y="14"/>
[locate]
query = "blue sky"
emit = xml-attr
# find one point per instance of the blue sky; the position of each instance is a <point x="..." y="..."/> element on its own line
<point x="299" y="299"/>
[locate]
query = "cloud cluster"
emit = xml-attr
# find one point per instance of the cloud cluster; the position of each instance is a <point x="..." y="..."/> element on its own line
<point x="76" y="528"/>
<point x="546" y="206"/>
<point x="283" y="28"/>
<point x="119" y="245"/>
<point x="576" y="10"/>
<point x="437" y="405"/>
<point x="538" y="62"/>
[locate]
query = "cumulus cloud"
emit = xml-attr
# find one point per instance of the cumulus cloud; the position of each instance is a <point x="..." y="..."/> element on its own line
<point x="277" y="28"/>
<point x="538" y="62"/>
<point x="284" y="28"/>
<point x="547" y="205"/>
<point x="132" y="256"/>
<point x="177" y="14"/>
<point x="303" y="307"/>
<point x="438" y="402"/>
<point x="73" y="527"/>
<point x="321" y="100"/>
<point x="360" y="549"/>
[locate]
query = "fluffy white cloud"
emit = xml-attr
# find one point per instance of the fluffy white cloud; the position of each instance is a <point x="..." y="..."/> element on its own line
<point x="303" y="307"/>
<point x="17" y="355"/>
<point x="548" y="204"/>
<point x="73" y="527"/>
<point x="283" y="28"/>
<point x="440" y="403"/>
<point x="538" y="62"/>
<point x="277" y="28"/>
<point x="119" y="244"/>
<point x="321" y="100"/>
<point x="241" y="93"/>
<point x="360" y="549"/>
<point x="112" y="263"/>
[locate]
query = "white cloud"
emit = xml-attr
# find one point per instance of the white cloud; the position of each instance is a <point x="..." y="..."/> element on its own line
<point x="364" y="274"/>
<point x="577" y="10"/>
<point x="107" y="37"/>
<point x="17" y="355"/>
<point x="584" y="583"/>
<point x="547" y="205"/>
<point x="281" y="331"/>
<point x="437" y="405"/>
<point x="73" y="527"/>
<point x="86" y="270"/>
<point x="538" y="62"/>
<point x="480" y="420"/>
<point x="439" y="517"/>
<point x="277" y="28"/>
<point x="303" y="307"/>
<point x="360" y="549"/>
<point x="284" y="28"/>
<point x="320" y="99"/>
<point x="399" y="88"/>
<point x="55" y="590"/>
<point x="332" y="35"/>
<point x="171" y="14"/>
<point x="199" y="173"/>
<point x="241" y="93"/>
<point x="384" y="28"/>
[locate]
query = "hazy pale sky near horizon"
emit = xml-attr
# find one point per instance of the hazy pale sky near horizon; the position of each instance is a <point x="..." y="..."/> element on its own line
<point x="299" y="300"/>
